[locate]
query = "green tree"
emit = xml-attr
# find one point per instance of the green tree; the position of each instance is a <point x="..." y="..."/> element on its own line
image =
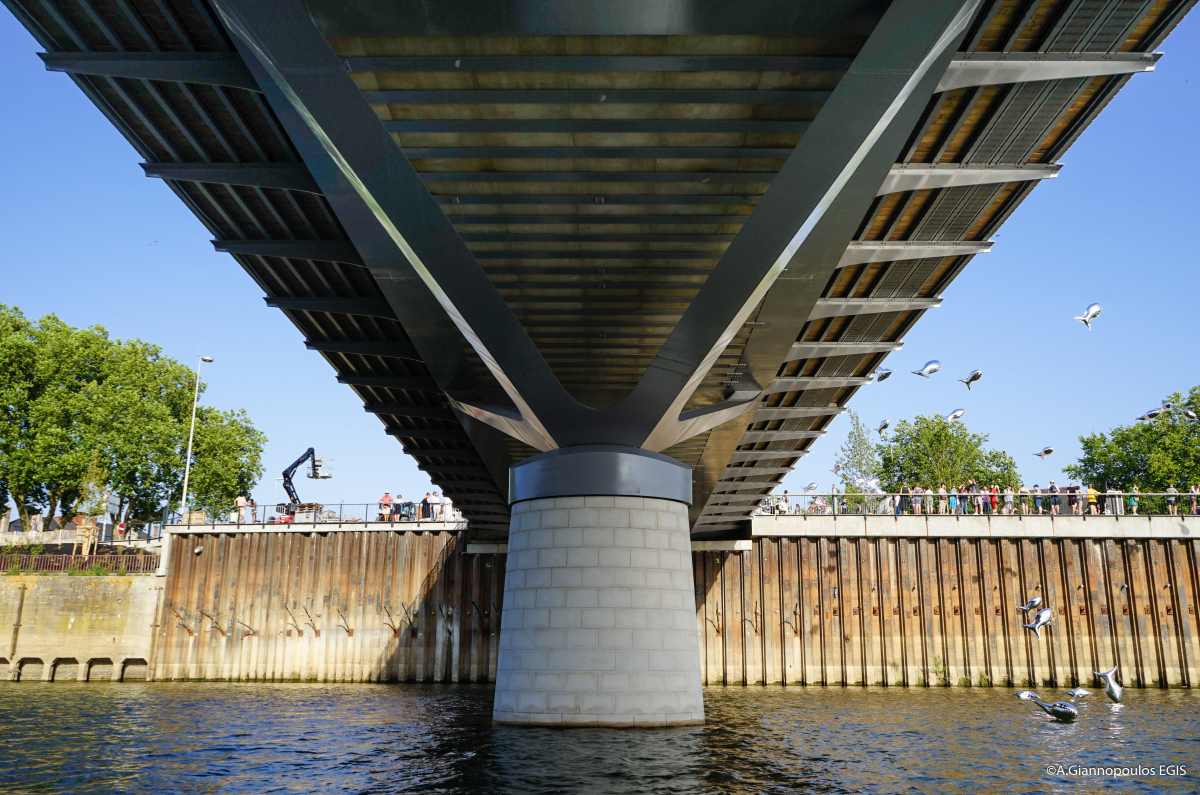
<point x="226" y="459"/>
<point x="70" y="397"/>
<point x="1149" y="454"/>
<point x="932" y="451"/>
<point x="859" y="456"/>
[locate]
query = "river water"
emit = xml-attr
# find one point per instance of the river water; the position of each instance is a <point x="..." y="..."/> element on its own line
<point x="307" y="738"/>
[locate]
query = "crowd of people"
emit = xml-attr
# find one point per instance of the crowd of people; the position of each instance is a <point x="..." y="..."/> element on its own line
<point x="973" y="498"/>
<point x="433" y="508"/>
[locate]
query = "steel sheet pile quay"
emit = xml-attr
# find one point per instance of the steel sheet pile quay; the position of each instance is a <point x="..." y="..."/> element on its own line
<point x="660" y="246"/>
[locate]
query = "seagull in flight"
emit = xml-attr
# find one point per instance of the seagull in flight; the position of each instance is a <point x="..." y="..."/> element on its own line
<point x="972" y="378"/>
<point x="1090" y="314"/>
<point x="931" y="367"/>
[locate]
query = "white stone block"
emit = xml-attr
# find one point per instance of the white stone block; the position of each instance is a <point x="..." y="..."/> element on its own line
<point x="644" y="558"/>
<point x="549" y="638"/>
<point x="583" y="556"/>
<point x="537" y="539"/>
<point x="645" y="598"/>
<point x="580" y="518"/>
<point x="644" y="519"/>
<point x="551" y="597"/>
<point x="537" y="578"/>
<point x="630" y="502"/>
<point x="568" y="537"/>
<point x="567" y="577"/>
<point x="583" y="638"/>
<point x="615" y="597"/>
<point x="536" y="617"/>
<point x="630" y="578"/>
<point x="629" y="538"/>
<point x="614" y="557"/>
<point x="569" y="502"/>
<point x="548" y="681"/>
<point x="562" y="702"/>
<point x="598" y="617"/>
<point x="600" y="577"/>
<point x="566" y="617"/>
<point x="599" y="502"/>
<point x="613" y="517"/>
<point x="551" y="558"/>
<point x="582" y="597"/>
<point x="581" y="682"/>
<point x="598" y="537"/>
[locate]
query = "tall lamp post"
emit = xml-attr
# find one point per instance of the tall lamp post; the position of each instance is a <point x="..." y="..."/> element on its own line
<point x="187" y="466"/>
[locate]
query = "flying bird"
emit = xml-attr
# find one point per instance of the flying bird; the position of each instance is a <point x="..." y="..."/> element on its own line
<point x="1042" y="619"/>
<point x="1112" y="688"/>
<point x="972" y="378"/>
<point x="881" y="374"/>
<point x="1061" y="711"/>
<point x="1045" y="452"/>
<point x="955" y="415"/>
<point x="1032" y="603"/>
<point x="931" y="367"/>
<point x="1089" y="315"/>
<point x="883" y="426"/>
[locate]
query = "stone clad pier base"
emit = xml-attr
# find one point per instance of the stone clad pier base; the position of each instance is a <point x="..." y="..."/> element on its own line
<point x="599" y="622"/>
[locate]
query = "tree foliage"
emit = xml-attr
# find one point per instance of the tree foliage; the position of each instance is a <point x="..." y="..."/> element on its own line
<point x="76" y="405"/>
<point x="1150" y="454"/>
<point x="859" y="456"/>
<point x="932" y="451"/>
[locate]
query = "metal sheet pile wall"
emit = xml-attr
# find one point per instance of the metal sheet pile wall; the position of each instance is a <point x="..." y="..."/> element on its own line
<point x="404" y="606"/>
<point x="330" y="607"/>
<point x="914" y="612"/>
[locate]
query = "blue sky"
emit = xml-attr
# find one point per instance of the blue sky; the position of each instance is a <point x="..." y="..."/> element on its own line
<point x="93" y="241"/>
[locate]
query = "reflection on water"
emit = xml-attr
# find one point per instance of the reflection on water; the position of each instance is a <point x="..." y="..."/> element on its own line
<point x="240" y="738"/>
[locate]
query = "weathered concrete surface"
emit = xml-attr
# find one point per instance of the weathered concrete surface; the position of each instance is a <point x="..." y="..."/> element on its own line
<point x="56" y="627"/>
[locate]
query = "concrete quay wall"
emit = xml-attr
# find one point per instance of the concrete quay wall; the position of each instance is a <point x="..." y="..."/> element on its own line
<point x="59" y="627"/>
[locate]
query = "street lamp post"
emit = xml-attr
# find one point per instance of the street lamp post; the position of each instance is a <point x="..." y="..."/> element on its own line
<point x="187" y="466"/>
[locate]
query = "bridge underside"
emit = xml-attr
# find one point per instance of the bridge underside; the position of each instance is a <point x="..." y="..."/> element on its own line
<point x="674" y="239"/>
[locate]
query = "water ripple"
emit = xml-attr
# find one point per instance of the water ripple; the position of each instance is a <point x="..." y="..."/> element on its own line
<point x="307" y="738"/>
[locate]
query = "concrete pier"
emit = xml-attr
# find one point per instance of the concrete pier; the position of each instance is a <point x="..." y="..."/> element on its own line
<point x="599" y="626"/>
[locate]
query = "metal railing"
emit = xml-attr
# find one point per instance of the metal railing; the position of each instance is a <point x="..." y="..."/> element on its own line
<point x="316" y="513"/>
<point x="958" y="503"/>
<point x="79" y="564"/>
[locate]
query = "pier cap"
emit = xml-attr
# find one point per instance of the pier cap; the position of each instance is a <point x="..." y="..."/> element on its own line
<point x="609" y="470"/>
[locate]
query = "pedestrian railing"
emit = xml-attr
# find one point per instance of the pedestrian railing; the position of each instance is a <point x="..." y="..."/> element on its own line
<point x="1064" y="503"/>
<point x="79" y="564"/>
<point x="316" y="513"/>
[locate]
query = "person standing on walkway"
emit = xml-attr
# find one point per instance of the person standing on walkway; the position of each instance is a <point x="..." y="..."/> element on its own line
<point x="942" y="499"/>
<point x="240" y="505"/>
<point x="385" y="507"/>
<point x="902" y="505"/>
<point x="954" y="500"/>
<point x="1008" y="500"/>
<point x="1024" y="499"/>
<point x="1134" y="498"/>
<point x="1091" y="499"/>
<point x="1172" y="499"/>
<point x="1037" y="498"/>
<point x="1072" y="498"/>
<point x="426" y="508"/>
<point x="916" y="503"/>
<point x="1194" y="493"/>
<point x="1053" y="499"/>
